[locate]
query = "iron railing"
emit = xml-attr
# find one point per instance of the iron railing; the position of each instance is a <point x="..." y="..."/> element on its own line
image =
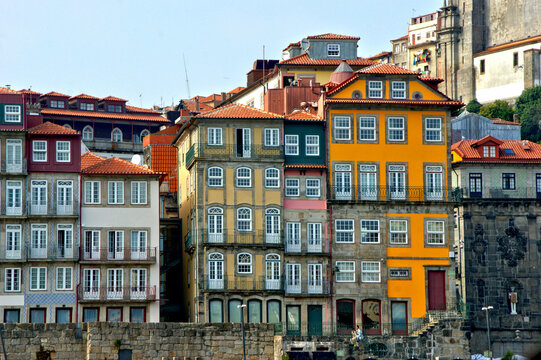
<point x="13" y="168"/>
<point x="116" y="293"/>
<point x="498" y="193"/>
<point x="124" y="254"/>
<point x="241" y="283"/>
<point x="304" y="247"/>
<point x="308" y="287"/>
<point x="234" y="237"/>
<point x="54" y="209"/>
<point x="390" y="193"/>
<point x="52" y="252"/>
<point x="232" y="151"/>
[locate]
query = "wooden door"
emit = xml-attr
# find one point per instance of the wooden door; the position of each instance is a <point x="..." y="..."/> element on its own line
<point x="436" y="290"/>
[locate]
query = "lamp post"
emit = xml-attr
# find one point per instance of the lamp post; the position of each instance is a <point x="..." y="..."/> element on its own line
<point x="487" y="308"/>
<point x="242" y="307"/>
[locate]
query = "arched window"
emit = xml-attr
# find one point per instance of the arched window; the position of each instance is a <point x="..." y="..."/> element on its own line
<point x="216" y="314"/>
<point x="254" y="311"/>
<point x="215" y="225"/>
<point x="88" y="133"/>
<point x="216" y="256"/>
<point x="116" y="135"/>
<point x="272" y="272"/>
<point x="234" y="312"/>
<point x="371" y="313"/>
<point x="272" y="178"/>
<point x="244" y="219"/>
<point x="144" y="133"/>
<point x="67" y="126"/>
<point x="244" y="177"/>
<point x="274" y="311"/>
<point x="244" y="263"/>
<point x="216" y="271"/>
<point x="215" y="176"/>
<point x="272" y="226"/>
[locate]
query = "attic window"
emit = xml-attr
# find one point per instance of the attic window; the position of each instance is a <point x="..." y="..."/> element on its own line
<point x="489" y="151"/>
<point x="333" y="49"/>
<point x="508" y="152"/>
<point x="357" y="95"/>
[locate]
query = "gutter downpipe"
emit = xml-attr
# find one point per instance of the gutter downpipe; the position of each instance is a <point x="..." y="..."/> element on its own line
<point x="329" y="208"/>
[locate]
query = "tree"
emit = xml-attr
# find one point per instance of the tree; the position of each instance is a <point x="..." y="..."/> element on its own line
<point x="473" y="106"/>
<point x="528" y="109"/>
<point x="498" y="109"/>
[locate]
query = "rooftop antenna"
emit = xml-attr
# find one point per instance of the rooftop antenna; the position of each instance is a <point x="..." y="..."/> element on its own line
<point x="264" y="91"/>
<point x="186" y="73"/>
<point x="141" y="100"/>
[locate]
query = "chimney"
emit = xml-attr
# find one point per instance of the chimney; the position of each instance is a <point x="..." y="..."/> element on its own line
<point x="223" y="97"/>
<point x="8" y="86"/>
<point x="197" y="104"/>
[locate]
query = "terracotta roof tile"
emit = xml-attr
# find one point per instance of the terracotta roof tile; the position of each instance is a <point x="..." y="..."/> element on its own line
<point x="510" y="45"/>
<point x="451" y="103"/>
<point x="104" y="115"/>
<point x="89" y="159"/>
<point x="298" y="43"/>
<point x="54" y="93"/>
<point x="28" y="91"/>
<point x="503" y="122"/>
<point x="401" y="38"/>
<point x="164" y="159"/>
<point x="84" y="96"/>
<point x="330" y="36"/>
<point x="5" y="90"/>
<point x="387" y="69"/>
<point x="112" y="98"/>
<point x="381" y="54"/>
<point x="238" y="111"/>
<point x="523" y="151"/>
<point x="171" y="130"/>
<point x="430" y="79"/>
<point x="305" y="166"/>
<point x="135" y="109"/>
<point x="236" y="90"/>
<point x="116" y="166"/>
<point x="303" y="116"/>
<point x="48" y="128"/>
<point x="304" y="59"/>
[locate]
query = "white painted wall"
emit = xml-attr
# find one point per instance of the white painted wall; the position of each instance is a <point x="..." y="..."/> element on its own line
<point x="256" y="94"/>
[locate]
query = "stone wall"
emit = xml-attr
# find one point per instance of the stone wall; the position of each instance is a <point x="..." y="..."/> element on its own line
<point x="168" y="341"/>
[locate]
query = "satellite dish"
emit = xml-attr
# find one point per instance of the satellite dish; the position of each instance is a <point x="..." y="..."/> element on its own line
<point x="305" y="44"/>
<point x="136" y="159"/>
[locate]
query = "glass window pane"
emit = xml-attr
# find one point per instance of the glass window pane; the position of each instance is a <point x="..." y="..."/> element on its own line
<point x="11" y="316"/>
<point x="90" y="314"/>
<point x="234" y="312"/>
<point x="137" y="315"/>
<point x="63" y="316"/>
<point x="254" y="311"/>
<point x="216" y="311"/>
<point x="274" y="312"/>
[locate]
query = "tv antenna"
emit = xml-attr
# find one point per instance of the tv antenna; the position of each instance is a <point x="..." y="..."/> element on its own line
<point x="186" y="73"/>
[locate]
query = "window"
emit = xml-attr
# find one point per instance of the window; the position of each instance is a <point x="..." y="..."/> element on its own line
<point x="313" y="187"/>
<point x="396" y="128"/>
<point x="64" y="278"/>
<point x="86" y="106"/>
<point x="333" y="49"/>
<point x="64" y="238"/>
<point x="12" y="316"/>
<point x="254" y="311"/>
<point x="489" y="151"/>
<point x="38" y="197"/>
<point x="342" y="128"/>
<point x="375" y="89"/>
<point x="115" y="245"/>
<point x="37" y="316"/>
<point x="398" y="90"/>
<point x="57" y="104"/>
<point x="63" y="151"/>
<point x="346" y="271"/>
<point x="13" y="241"/>
<point x="114" y="283"/>
<point x="14" y="198"/>
<point x="216" y="311"/>
<point x="92" y="192"/>
<point x="397" y="48"/>
<point x="137" y="314"/>
<point x="215" y="176"/>
<point x="88" y="133"/>
<point x="515" y="59"/>
<point x="244" y="263"/>
<point x="399" y="273"/>
<point x="272" y="178"/>
<point x="138" y="192"/>
<point x="435" y="232"/>
<point x="508" y="181"/>
<point x="90" y="314"/>
<point x="367" y="128"/>
<point x="114" y="108"/>
<point x="12" y="113"/>
<point x="371" y="315"/>
<point x="214" y="136"/>
<point x="274" y="313"/>
<point x="312" y="145"/>
<point x="115" y="192"/>
<point x="482" y="66"/>
<point x="398" y="230"/>
<point x="234" y="312"/>
<point x="292" y="145"/>
<point x="272" y="137"/>
<point x="293" y="278"/>
<point x="114" y="314"/>
<point x="244" y="177"/>
<point x="38" y="278"/>
<point x="64" y="197"/>
<point x="244" y="219"/>
<point x="39" y="150"/>
<point x="433" y="129"/>
<point x="344" y="231"/>
<point x="369" y="231"/>
<point x="14" y="155"/>
<point x="38" y="245"/>
<point x="116" y="135"/>
<point x="12" y="279"/>
<point x="370" y="271"/>
<point x="292" y="187"/>
<point x="144" y="133"/>
<point x="293" y="236"/>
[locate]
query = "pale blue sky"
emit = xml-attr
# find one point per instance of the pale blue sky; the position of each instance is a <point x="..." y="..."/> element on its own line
<point x="130" y="47"/>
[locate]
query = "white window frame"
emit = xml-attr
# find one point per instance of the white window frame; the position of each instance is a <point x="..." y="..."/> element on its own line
<point x="342" y="273"/>
<point x="342" y="128"/>
<point x="401" y="233"/>
<point x="291" y="186"/>
<point x="333" y="50"/>
<point x="431" y="233"/>
<point x="291" y="145"/>
<point x="63" y="154"/>
<point x="14" y="155"/>
<point x="272" y="137"/>
<point x="311" y="146"/>
<point x="116" y="135"/>
<point x="396" y="130"/>
<point x="489" y="151"/>
<point x="12" y="113"/>
<point x="14" y="282"/>
<point x="92" y="192"/>
<point x="39" y="151"/>
<point x="88" y="130"/>
<point x="64" y="278"/>
<point x="214" y="136"/>
<point x="244" y="267"/>
<point x="38" y="278"/>
<point x="243" y="180"/>
<point x="344" y="232"/>
<point x="59" y="104"/>
<point x="215" y="180"/>
<point x="399" y="273"/>
<point x="139" y="192"/>
<point x="245" y="221"/>
<point x="368" y="232"/>
<point x="115" y="192"/>
<point x="11" y="189"/>
<point x="313" y="189"/>
<point x="398" y="89"/>
<point x="366" y="272"/>
<point x="13" y="241"/>
<point x="375" y="89"/>
<point x="272" y="180"/>
<point x="366" y="129"/>
<point x="432" y="133"/>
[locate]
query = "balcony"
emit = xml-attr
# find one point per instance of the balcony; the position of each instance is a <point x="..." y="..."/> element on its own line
<point x="390" y="193"/>
<point x="108" y="145"/>
<point x="14" y="254"/>
<point x="59" y="210"/>
<point x="308" y="287"/>
<point x="188" y="243"/>
<point x="497" y="193"/>
<point x="126" y="254"/>
<point x="240" y="284"/>
<point x="232" y="152"/>
<point x="242" y="238"/>
<point x="14" y="167"/>
<point x="54" y="252"/>
<point x="14" y="210"/>
<point x="312" y="246"/>
<point x="116" y="293"/>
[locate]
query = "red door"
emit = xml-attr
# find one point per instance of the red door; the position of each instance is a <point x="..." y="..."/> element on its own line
<point x="436" y="290"/>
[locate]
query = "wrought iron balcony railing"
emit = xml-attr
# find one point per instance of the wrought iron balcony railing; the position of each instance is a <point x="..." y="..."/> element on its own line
<point x="229" y="237"/>
<point x="391" y="193"/>
<point x="116" y="293"/>
<point x="124" y="254"/>
<point x="232" y="151"/>
<point x="497" y="193"/>
<point x="240" y="283"/>
<point x="52" y="252"/>
<point x="307" y="287"/>
<point x="307" y="246"/>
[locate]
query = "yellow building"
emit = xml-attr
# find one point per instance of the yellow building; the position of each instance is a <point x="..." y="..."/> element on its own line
<point x="230" y="197"/>
<point x="390" y="208"/>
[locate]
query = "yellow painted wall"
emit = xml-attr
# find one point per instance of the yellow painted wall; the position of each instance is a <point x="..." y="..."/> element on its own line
<point x="414" y="85"/>
<point x="322" y="76"/>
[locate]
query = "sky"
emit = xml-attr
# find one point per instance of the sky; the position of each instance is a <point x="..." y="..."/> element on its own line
<point x="136" y="49"/>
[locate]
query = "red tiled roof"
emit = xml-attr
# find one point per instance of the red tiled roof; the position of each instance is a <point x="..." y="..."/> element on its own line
<point x="333" y="37"/>
<point x="48" y="128"/>
<point x="524" y="151"/>
<point x="5" y="90"/>
<point x="387" y="69"/>
<point x="164" y="159"/>
<point x="116" y="166"/>
<point x="236" y="90"/>
<point x="140" y="110"/>
<point x="171" y="130"/>
<point x="401" y="38"/>
<point x="238" y="111"/>
<point x="112" y="98"/>
<point x="303" y="116"/>
<point x="381" y="54"/>
<point x="503" y="122"/>
<point x="304" y="59"/>
<point x="298" y="43"/>
<point x="451" y="103"/>
<point x="203" y="107"/>
<point x="104" y="115"/>
<point x="431" y="79"/>
<point x="84" y="96"/>
<point x="89" y="159"/>
<point x="510" y="45"/>
<point x="28" y="91"/>
<point x="305" y="166"/>
<point x="54" y="93"/>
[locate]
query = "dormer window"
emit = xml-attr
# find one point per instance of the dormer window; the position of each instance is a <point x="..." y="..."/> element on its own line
<point x="333" y="50"/>
<point x="114" y="108"/>
<point x="489" y="151"/>
<point x="86" y="106"/>
<point x="58" y="104"/>
<point x="12" y="113"/>
<point x="375" y="89"/>
<point x="398" y="90"/>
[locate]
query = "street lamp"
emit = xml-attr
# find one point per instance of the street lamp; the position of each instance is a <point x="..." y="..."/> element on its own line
<point x="242" y="307"/>
<point x="487" y="308"/>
